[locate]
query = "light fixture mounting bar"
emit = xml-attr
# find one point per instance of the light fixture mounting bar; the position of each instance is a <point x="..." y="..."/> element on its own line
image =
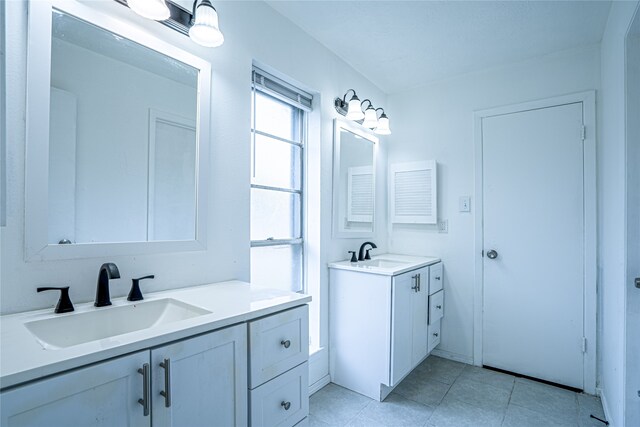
<point x="180" y="19"/>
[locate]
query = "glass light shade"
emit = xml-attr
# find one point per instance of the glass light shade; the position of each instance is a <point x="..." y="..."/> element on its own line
<point x="383" y="125"/>
<point x="354" y="111"/>
<point x="151" y="9"/>
<point x="205" y="30"/>
<point x="370" y="118"/>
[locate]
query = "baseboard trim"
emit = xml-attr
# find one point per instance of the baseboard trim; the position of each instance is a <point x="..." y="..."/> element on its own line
<point x="319" y="384"/>
<point x="453" y="356"/>
<point x="605" y="406"/>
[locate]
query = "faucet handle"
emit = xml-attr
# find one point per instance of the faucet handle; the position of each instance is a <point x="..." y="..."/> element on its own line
<point x="353" y="256"/>
<point x="135" y="294"/>
<point x="64" y="303"/>
<point x="367" y="256"/>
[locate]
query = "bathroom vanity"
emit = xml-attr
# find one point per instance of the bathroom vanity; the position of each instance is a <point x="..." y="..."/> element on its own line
<point x="229" y="352"/>
<point x="384" y="320"/>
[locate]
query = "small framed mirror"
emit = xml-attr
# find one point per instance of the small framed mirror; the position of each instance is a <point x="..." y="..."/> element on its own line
<point x="354" y="180"/>
<point x="117" y="137"/>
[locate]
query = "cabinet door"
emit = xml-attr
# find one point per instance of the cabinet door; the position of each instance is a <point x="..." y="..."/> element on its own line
<point x="419" y="311"/>
<point x="105" y="394"/>
<point x="402" y="325"/>
<point x="203" y="380"/>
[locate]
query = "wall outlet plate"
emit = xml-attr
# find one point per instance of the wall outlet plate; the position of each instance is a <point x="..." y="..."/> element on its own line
<point x="443" y="226"/>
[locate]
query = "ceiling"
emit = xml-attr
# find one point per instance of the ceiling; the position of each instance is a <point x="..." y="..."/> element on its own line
<point x="399" y="45"/>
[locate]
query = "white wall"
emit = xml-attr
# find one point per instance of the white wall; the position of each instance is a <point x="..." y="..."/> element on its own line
<point x="611" y="211"/>
<point x="436" y="122"/>
<point x="253" y="31"/>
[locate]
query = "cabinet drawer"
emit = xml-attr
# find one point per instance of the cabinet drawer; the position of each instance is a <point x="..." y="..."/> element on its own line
<point x="435" y="278"/>
<point x="277" y="343"/>
<point x="436" y="306"/>
<point x="283" y="401"/>
<point x="434" y="335"/>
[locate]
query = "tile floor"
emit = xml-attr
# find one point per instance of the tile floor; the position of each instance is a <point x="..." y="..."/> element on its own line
<point x="443" y="393"/>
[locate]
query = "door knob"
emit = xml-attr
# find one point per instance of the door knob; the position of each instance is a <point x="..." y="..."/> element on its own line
<point x="492" y="254"/>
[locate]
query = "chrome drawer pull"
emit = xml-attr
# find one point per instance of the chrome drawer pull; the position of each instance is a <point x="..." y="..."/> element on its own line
<point x="435" y="334"/>
<point x="437" y="277"/>
<point x="438" y="307"/>
<point x="285" y="344"/>
<point x="285" y="405"/>
<point x="166" y="364"/>
<point x="146" y="385"/>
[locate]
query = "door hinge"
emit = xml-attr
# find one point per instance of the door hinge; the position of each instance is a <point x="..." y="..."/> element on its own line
<point x="583" y="133"/>
<point x="584" y="344"/>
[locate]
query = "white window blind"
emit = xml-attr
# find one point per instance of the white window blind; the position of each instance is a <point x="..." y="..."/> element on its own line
<point x="413" y="193"/>
<point x="280" y="89"/>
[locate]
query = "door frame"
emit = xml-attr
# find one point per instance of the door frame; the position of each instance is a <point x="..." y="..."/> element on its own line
<point x="588" y="100"/>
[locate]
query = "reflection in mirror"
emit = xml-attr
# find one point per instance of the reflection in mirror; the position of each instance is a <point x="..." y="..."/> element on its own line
<point x="122" y="139"/>
<point x="353" y="180"/>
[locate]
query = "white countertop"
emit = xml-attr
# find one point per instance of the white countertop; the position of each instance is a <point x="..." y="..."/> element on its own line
<point x="386" y="264"/>
<point x="23" y="358"/>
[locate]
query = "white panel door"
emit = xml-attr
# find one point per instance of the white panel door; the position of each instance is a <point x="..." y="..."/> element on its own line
<point x="105" y="394"/>
<point x="533" y="220"/>
<point x="206" y="383"/>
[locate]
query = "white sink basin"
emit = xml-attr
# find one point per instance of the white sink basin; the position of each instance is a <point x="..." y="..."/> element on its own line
<point x="383" y="263"/>
<point x="78" y="328"/>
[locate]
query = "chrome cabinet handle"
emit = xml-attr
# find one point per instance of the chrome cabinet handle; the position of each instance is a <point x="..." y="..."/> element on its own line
<point x="166" y="393"/>
<point x="285" y="344"/>
<point x="146" y="385"/>
<point x="416" y="286"/>
<point x="435" y="334"/>
<point x="438" y="307"/>
<point x="419" y="281"/>
<point x="437" y="277"/>
<point x="285" y="405"/>
<point x="492" y="254"/>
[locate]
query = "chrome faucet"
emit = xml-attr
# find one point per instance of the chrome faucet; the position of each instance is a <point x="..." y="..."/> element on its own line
<point x="107" y="271"/>
<point x="361" y="254"/>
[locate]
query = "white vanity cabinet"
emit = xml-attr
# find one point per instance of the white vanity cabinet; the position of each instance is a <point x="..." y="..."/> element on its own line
<point x="383" y="323"/>
<point x="278" y="368"/>
<point x="409" y="313"/>
<point x="201" y="379"/>
<point x="105" y="394"/>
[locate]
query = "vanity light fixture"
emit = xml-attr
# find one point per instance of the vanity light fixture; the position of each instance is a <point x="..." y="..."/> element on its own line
<point x="383" y="124"/>
<point x="370" y="116"/>
<point x="205" y="29"/>
<point x="352" y="110"/>
<point x="151" y="9"/>
<point x="200" y="23"/>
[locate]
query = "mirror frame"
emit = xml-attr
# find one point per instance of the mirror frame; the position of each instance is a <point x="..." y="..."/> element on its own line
<point x="39" y="36"/>
<point x="340" y="124"/>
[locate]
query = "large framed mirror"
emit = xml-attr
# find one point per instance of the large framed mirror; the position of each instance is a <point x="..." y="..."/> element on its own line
<point x="354" y="180"/>
<point x="117" y="137"/>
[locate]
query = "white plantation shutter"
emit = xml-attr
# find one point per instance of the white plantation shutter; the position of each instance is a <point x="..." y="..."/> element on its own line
<point x="413" y="193"/>
<point x="360" y="194"/>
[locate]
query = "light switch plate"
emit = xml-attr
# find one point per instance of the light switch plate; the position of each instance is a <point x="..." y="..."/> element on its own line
<point x="443" y="226"/>
<point x="465" y="204"/>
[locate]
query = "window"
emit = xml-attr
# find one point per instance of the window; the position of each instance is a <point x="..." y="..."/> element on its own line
<point x="278" y="131"/>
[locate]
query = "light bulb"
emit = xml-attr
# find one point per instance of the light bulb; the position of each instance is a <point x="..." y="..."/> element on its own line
<point x="383" y="125"/>
<point x="151" y="9"/>
<point x="205" y="30"/>
<point x="370" y="118"/>
<point x="354" y="111"/>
